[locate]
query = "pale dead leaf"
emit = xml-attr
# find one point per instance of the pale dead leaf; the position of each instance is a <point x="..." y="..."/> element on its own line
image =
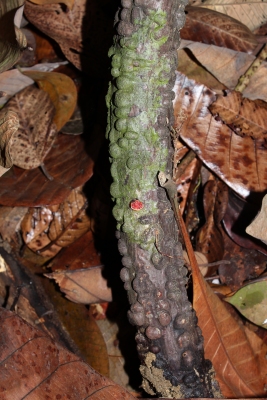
<point x="201" y="259"/>
<point x="257" y="88"/>
<point x="10" y="220"/>
<point x="85" y="286"/>
<point x="252" y="13"/>
<point x="9" y="124"/>
<point x="258" y="227"/>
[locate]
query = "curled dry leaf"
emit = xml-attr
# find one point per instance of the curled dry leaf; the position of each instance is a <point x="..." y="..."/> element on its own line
<point x="238" y="161"/>
<point x="9" y="123"/>
<point x="36" y="132"/>
<point x="246" y="117"/>
<point x="258" y="227"/>
<point x="47" y="229"/>
<point x="69" y="3"/>
<point x="251" y="301"/>
<point x="253" y="13"/>
<point x="85" y="286"/>
<point x="212" y="27"/>
<point x="28" y="355"/>
<point x="62" y="91"/>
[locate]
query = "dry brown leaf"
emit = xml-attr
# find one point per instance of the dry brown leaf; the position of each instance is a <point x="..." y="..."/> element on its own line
<point x="9" y="124"/>
<point x="47" y="229"/>
<point x="62" y="91"/>
<point x="246" y="117"/>
<point x="253" y="13"/>
<point x="258" y="227"/>
<point x="69" y="3"/>
<point x="239" y="162"/>
<point x="212" y="27"/>
<point x="36" y="132"/>
<point x="32" y="365"/>
<point x="85" y="286"/>
<point x="10" y="221"/>
<point x="225" y="64"/>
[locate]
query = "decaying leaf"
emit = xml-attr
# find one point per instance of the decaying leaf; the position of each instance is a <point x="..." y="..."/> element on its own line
<point x="253" y="13"/>
<point x="9" y="124"/>
<point x="69" y="3"/>
<point x="32" y="365"/>
<point x="62" y="91"/>
<point x="239" y="161"/>
<point x="36" y="132"/>
<point x="12" y="40"/>
<point x="212" y="27"/>
<point x="246" y="117"/>
<point x="251" y="301"/>
<point x="47" y="229"/>
<point x="258" y="227"/>
<point x="30" y="188"/>
<point x="10" y="220"/>
<point x="85" y="286"/>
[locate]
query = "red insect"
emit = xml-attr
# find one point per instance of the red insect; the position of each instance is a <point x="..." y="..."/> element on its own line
<point x="136" y="205"/>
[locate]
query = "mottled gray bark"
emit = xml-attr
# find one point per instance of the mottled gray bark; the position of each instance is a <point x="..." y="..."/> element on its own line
<point x="169" y="343"/>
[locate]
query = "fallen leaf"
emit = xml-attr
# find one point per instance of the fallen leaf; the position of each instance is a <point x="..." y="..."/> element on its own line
<point x="246" y="117"/>
<point x="69" y="3"/>
<point x="36" y="132"/>
<point x="10" y="220"/>
<point x="258" y="226"/>
<point x="238" y="161"/>
<point x="9" y="124"/>
<point x="251" y="301"/>
<point x="85" y="286"/>
<point x="253" y="13"/>
<point x="212" y="27"/>
<point x="225" y="64"/>
<point x="62" y="91"/>
<point x="31" y="188"/>
<point x="32" y="357"/>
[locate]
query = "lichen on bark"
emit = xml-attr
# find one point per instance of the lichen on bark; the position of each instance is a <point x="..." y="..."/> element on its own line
<point x="139" y="101"/>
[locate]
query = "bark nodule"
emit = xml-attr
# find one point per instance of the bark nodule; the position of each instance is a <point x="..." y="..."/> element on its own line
<point x="139" y="100"/>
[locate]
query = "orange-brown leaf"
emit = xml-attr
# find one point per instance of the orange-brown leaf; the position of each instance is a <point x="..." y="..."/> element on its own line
<point x="211" y="27"/>
<point x="246" y="117"/>
<point x="69" y="3"/>
<point x="9" y="123"/>
<point x="32" y="365"/>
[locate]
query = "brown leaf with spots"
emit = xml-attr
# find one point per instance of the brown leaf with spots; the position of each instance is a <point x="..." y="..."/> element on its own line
<point x="31" y="188"/>
<point x="238" y="161"/>
<point x="36" y="132"/>
<point x="69" y="3"/>
<point x="9" y="123"/>
<point x="62" y="91"/>
<point x="47" y="229"/>
<point x="212" y="27"/>
<point x="33" y="364"/>
<point x="209" y="240"/>
<point x="246" y="117"/>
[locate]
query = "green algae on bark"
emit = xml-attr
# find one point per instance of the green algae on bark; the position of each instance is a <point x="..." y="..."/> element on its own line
<point x="139" y="101"/>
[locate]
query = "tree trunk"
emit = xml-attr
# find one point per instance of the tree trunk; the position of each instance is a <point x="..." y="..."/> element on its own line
<point x="169" y="343"/>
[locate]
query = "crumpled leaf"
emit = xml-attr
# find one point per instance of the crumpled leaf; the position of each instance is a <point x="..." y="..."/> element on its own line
<point x="30" y="188"/>
<point x="47" y="229"/>
<point x="36" y="132"/>
<point x="258" y="227"/>
<point x="246" y="117"/>
<point x="12" y="40"/>
<point x="85" y="286"/>
<point x="225" y="64"/>
<point x="9" y="124"/>
<point x="62" y="91"/>
<point x="69" y="3"/>
<point x="239" y="162"/>
<point x="212" y="27"/>
<point x="253" y="13"/>
<point x="28" y="355"/>
<point x="251" y="301"/>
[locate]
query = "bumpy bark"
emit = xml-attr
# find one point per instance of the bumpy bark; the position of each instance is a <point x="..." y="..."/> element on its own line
<point x="169" y="343"/>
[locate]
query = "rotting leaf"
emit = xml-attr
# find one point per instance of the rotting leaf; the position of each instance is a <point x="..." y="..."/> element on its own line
<point x="258" y="227"/>
<point x="251" y="301"/>
<point x="31" y="356"/>
<point x="85" y="286"/>
<point x="62" y="91"/>
<point x="212" y="27"/>
<point x="36" y="132"/>
<point x="238" y="161"/>
<point x="245" y="117"/>
<point x="31" y="188"/>
<point x="69" y="3"/>
<point x="9" y="124"/>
